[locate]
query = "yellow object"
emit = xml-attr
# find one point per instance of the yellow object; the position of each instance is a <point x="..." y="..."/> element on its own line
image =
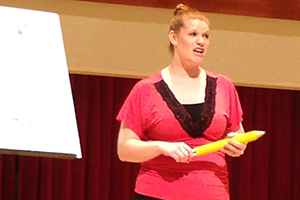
<point x="215" y="146"/>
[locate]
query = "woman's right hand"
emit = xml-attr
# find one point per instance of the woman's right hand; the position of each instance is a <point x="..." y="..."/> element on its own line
<point x="179" y="151"/>
<point x="132" y="149"/>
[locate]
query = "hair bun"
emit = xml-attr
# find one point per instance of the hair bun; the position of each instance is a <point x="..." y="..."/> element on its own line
<point x="180" y="8"/>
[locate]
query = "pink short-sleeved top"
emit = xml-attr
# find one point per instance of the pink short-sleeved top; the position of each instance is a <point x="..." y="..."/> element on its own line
<point x="153" y="113"/>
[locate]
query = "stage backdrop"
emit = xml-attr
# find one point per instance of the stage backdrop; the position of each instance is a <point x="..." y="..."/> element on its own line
<point x="268" y="170"/>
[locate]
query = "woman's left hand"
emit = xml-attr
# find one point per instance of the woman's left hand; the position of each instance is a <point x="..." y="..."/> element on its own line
<point x="233" y="148"/>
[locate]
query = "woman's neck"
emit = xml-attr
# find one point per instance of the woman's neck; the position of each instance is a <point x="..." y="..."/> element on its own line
<point x="177" y="71"/>
<point x="183" y="70"/>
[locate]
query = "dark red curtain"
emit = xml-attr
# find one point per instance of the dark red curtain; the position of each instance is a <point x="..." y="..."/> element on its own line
<point x="268" y="170"/>
<point x="270" y="167"/>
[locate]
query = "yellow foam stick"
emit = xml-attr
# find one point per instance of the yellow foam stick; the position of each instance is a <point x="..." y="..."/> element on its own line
<point x="215" y="146"/>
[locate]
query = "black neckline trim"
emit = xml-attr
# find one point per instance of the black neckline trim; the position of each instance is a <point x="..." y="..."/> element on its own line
<point x="194" y="129"/>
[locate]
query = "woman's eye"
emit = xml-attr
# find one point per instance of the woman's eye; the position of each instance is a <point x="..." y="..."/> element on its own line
<point x="194" y="34"/>
<point x="206" y="36"/>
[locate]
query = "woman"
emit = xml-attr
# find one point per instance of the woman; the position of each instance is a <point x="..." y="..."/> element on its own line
<point x="169" y="113"/>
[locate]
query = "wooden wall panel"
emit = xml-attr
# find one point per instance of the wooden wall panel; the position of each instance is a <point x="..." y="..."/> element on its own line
<point x="131" y="41"/>
<point x="287" y="9"/>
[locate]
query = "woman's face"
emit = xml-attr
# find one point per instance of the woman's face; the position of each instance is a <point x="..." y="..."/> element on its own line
<point x="191" y="43"/>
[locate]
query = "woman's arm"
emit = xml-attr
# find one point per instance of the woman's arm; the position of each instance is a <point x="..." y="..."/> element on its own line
<point x="132" y="149"/>
<point x="234" y="148"/>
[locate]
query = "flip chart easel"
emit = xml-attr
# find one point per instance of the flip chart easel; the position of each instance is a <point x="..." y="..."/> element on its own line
<point x="37" y="115"/>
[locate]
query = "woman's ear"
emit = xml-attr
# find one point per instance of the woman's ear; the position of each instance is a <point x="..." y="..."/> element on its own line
<point x="173" y="37"/>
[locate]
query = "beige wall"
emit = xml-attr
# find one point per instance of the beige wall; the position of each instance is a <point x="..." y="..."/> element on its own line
<point x="127" y="41"/>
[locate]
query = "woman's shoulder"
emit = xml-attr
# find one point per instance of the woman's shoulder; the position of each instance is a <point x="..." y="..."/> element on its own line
<point x="220" y="77"/>
<point x="150" y="80"/>
<point x="145" y="86"/>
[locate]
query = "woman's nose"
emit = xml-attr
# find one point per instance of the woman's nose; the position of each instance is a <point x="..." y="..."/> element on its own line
<point x="200" y="40"/>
